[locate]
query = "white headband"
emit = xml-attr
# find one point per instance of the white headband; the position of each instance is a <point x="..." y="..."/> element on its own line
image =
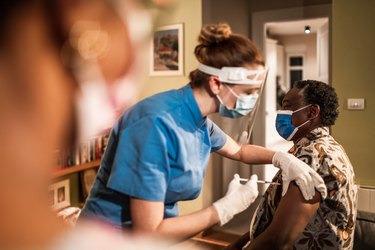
<point x="235" y="75"/>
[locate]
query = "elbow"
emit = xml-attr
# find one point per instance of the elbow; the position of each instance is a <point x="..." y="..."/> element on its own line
<point x="285" y="247"/>
<point x="239" y="155"/>
<point x="272" y="241"/>
<point x="144" y="231"/>
<point x="284" y="243"/>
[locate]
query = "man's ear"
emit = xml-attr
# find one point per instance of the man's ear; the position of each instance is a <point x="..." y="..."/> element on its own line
<point x="215" y="85"/>
<point x="314" y="111"/>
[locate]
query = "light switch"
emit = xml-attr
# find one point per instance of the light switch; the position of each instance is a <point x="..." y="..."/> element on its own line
<point x="356" y="103"/>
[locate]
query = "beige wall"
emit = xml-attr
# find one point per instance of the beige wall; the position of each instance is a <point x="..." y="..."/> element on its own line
<point x="234" y="12"/>
<point x="354" y="77"/>
<point x="188" y="12"/>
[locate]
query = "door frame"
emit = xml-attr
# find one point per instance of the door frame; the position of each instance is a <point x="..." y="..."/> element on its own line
<point x="259" y="36"/>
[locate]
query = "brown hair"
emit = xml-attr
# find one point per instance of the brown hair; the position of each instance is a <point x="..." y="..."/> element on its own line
<point x="219" y="47"/>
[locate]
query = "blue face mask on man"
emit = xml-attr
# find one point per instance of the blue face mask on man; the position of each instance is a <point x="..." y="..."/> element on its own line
<point x="244" y="105"/>
<point x="284" y="125"/>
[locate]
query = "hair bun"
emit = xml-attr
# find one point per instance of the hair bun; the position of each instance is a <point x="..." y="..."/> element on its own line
<point x="214" y="33"/>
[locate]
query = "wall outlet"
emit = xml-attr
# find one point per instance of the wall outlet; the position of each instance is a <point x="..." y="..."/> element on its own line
<point x="356" y="103"/>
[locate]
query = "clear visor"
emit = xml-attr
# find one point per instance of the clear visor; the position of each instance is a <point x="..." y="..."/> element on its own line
<point x="242" y="76"/>
<point x="245" y="125"/>
<point x="236" y="75"/>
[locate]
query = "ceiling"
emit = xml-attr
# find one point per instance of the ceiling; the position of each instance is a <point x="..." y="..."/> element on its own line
<point x="294" y="27"/>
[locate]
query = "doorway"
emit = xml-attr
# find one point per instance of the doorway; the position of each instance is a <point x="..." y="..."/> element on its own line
<point x="290" y="55"/>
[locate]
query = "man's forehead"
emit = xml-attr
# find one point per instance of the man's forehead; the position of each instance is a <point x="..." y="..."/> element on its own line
<point x="294" y="95"/>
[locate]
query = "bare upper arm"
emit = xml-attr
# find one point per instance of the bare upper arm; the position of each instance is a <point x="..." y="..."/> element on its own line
<point x="291" y="217"/>
<point x="146" y="215"/>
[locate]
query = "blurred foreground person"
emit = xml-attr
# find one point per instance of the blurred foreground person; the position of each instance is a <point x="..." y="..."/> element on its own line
<point x="60" y="61"/>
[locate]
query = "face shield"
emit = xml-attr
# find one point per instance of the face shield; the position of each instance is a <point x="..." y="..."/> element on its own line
<point x="242" y="76"/>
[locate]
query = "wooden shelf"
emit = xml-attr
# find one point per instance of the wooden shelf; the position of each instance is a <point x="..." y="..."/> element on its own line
<point x="75" y="169"/>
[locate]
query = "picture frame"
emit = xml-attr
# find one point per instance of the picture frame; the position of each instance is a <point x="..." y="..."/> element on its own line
<point x="87" y="180"/>
<point x="166" y="53"/>
<point x="59" y="194"/>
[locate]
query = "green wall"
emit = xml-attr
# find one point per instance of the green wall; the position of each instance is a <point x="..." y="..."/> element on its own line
<point x="353" y="52"/>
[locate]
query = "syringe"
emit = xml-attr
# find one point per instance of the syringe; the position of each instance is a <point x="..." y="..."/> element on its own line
<point x="261" y="181"/>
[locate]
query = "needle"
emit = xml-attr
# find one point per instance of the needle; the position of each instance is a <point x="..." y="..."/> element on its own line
<point x="260" y="181"/>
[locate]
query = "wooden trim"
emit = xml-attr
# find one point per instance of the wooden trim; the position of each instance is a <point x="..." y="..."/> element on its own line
<point x="212" y="241"/>
<point x="75" y="169"/>
<point x="213" y="237"/>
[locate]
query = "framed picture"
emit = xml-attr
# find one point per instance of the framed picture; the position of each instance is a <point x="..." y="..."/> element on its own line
<point x="59" y="194"/>
<point x="167" y="51"/>
<point x="87" y="180"/>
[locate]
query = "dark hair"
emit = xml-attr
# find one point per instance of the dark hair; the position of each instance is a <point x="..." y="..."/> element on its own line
<point x="8" y="13"/>
<point x="11" y="10"/>
<point x="219" y="47"/>
<point x="322" y="94"/>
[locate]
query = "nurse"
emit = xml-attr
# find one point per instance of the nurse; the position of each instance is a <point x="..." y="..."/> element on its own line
<point x="158" y="151"/>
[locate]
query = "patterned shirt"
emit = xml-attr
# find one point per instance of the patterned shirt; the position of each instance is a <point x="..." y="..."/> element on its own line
<point x="332" y="226"/>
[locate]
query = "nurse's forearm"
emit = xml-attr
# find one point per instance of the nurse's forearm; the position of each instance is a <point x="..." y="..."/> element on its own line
<point x="252" y="154"/>
<point x="247" y="153"/>
<point x="147" y="217"/>
<point x="188" y="225"/>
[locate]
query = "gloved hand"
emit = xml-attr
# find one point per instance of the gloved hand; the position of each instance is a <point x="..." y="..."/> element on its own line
<point x="305" y="177"/>
<point x="237" y="199"/>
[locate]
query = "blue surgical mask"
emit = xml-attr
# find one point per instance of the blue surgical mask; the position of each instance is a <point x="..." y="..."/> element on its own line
<point x="284" y="125"/>
<point x="244" y="105"/>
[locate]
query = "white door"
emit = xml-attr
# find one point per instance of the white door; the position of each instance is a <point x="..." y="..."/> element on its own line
<point x="323" y="52"/>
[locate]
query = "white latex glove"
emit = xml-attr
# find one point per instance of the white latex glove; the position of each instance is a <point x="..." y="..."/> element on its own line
<point x="237" y="199"/>
<point x="296" y="170"/>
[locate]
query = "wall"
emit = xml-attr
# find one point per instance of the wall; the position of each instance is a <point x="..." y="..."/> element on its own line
<point x="234" y="12"/>
<point x="188" y="13"/>
<point x="354" y="76"/>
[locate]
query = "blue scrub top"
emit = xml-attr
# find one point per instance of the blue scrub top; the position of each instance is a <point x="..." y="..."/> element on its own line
<point x="158" y="151"/>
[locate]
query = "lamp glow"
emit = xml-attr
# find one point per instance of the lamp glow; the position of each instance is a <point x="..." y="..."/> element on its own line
<point x="307" y="29"/>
